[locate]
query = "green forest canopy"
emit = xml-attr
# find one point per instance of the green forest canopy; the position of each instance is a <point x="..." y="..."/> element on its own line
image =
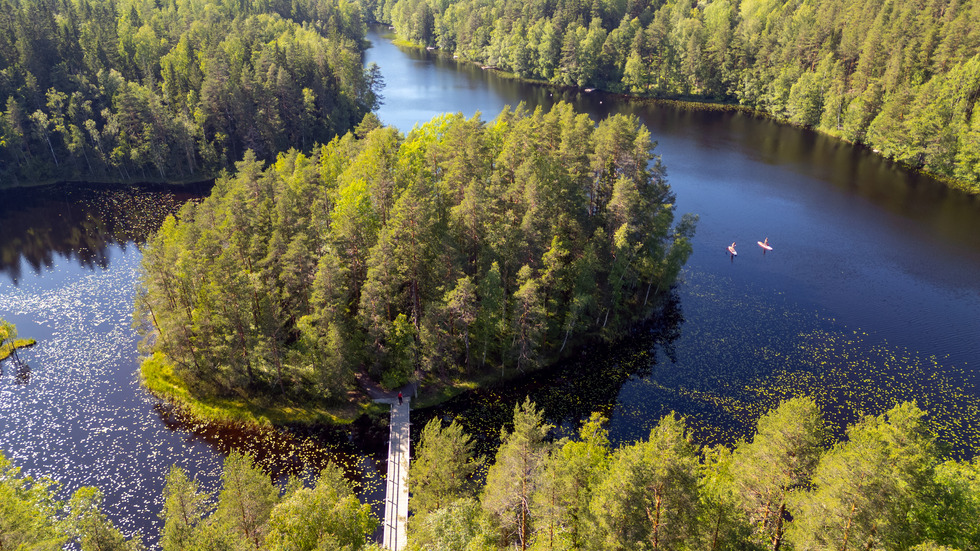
<point x="462" y="246"/>
<point x="887" y="486"/>
<point x="131" y="90"/>
<point x="902" y="77"/>
<point x="249" y="512"/>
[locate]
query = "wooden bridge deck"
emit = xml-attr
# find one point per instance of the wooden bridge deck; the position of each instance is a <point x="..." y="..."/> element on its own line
<point x="396" y="489"/>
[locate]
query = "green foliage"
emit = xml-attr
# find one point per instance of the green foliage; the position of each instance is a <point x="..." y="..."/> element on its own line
<point x="515" y="475"/>
<point x="9" y="343"/>
<point x="28" y="511"/>
<point x="32" y="518"/>
<point x="328" y="516"/>
<point x="91" y="528"/>
<point x="462" y="245"/>
<point x="899" y="76"/>
<point x="460" y="525"/>
<point x="131" y="90"/>
<point x="561" y="502"/>
<point x="885" y="487"/>
<point x="442" y="467"/>
<point x="8" y="332"/>
<point x="648" y="499"/>
<point x="876" y="490"/>
<point x="246" y="500"/>
<point x="184" y="511"/>
<point x="251" y="513"/>
<point x="779" y="460"/>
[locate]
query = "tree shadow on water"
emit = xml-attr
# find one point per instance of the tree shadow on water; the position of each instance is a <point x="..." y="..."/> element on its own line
<point x="569" y="391"/>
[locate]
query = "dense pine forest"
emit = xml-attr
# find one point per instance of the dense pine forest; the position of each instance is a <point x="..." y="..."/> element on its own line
<point x="901" y="76"/>
<point x="462" y="247"/>
<point x="133" y="91"/>
<point x="886" y="487"/>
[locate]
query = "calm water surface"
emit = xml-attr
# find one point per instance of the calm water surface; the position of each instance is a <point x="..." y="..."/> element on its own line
<point x="870" y="296"/>
<point x="74" y="409"/>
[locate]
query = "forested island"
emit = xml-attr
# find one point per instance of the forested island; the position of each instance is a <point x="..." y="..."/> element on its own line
<point x="133" y="91"/>
<point x="333" y="245"/>
<point x="902" y="77"/>
<point x="887" y="486"/>
<point x="464" y="247"/>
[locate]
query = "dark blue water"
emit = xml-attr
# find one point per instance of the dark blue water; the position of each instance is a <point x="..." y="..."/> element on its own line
<point x="870" y="296"/>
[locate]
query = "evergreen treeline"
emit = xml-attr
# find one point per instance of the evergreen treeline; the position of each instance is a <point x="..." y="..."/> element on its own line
<point x="902" y="77"/>
<point x="31" y="517"/>
<point x="462" y="245"/>
<point x="252" y="513"/>
<point x="884" y="488"/>
<point x="173" y="90"/>
<point x="249" y="513"/>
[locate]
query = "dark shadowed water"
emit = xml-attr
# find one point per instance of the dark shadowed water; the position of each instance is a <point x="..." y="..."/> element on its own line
<point x="871" y="295"/>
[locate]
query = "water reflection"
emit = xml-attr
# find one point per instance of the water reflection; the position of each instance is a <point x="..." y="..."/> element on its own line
<point x="293" y="451"/>
<point x="74" y="409"/>
<point x="21" y="370"/>
<point x="869" y="297"/>
<point x="572" y="390"/>
<point x="79" y="223"/>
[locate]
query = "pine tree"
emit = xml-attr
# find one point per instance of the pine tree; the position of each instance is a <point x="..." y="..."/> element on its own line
<point x="184" y="511"/>
<point x="246" y="499"/>
<point x="780" y="459"/>
<point x="649" y="496"/>
<point x="513" y="478"/>
<point x="442" y="467"/>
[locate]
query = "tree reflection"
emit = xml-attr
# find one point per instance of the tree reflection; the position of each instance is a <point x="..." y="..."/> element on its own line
<point x="22" y="372"/>
<point x="570" y="391"/>
<point x="80" y="222"/>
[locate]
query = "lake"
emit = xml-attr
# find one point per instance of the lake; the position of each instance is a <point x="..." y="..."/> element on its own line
<point x="75" y="411"/>
<point x="870" y="295"/>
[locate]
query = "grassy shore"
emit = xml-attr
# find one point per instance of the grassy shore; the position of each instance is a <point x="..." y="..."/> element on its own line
<point x="8" y="349"/>
<point x="159" y="378"/>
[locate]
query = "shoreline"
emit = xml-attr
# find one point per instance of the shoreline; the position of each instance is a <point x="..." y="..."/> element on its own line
<point x="697" y="103"/>
<point x="157" y="378"/>
<point x="9" y="349"/>
<point x="105" y="182"/>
